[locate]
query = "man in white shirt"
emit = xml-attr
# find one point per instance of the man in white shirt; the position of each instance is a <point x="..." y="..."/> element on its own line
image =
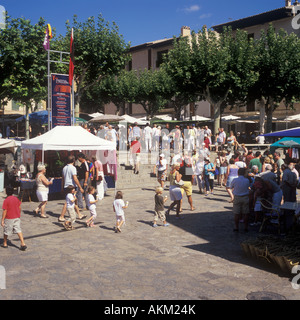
<point x="69" y="178"/>
<point x="155" y="137"/>
<point x="260" y="139"/>
<point x="240" y="163"/>
<point x="147" y="137"/>
<point x="208" y="132"/>
<point x="222" y="136"/>
<point x="111" y="134"/>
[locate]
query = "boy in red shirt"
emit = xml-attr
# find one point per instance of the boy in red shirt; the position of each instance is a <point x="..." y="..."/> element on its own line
<point x="11" y="218"/>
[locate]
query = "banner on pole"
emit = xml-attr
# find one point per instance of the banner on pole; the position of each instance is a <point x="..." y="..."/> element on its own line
<point x="48" y="37"/>
<point x="72" y="59"/>
<point x="61" y="100"/>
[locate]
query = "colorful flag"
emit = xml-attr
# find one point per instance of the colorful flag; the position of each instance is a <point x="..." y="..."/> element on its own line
<point x="48" y="37"/>
<point x="72" y="61"/>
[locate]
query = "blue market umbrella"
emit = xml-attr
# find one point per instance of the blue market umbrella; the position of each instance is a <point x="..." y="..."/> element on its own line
<point x="39" y="116"/>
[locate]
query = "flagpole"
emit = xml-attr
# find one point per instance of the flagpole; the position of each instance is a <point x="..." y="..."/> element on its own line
<point x="73" y="102"/>
<point x="71" y="74"/>
<point x="49" y="94"/>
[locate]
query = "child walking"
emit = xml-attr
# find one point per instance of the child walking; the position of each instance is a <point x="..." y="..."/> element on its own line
<point x="91" y="203"/>
<point x="70" y="200"/>
<point x="159" y="207"/>
<point x="11" y="221"/>
<point x="119" y="207"/>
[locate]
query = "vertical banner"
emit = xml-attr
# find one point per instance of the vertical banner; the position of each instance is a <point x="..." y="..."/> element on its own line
<point x="61" y="100"/>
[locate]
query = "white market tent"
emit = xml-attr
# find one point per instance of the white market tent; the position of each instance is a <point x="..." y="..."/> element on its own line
<point x="7" y="145"/>
<point x="67" y="138"/>
<point x="96" y="114"/>
<point x="130" y="119"/>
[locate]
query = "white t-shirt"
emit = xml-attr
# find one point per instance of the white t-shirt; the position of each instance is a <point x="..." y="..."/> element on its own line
<point x="162" y="166"/>
<point x="118" y="205"/>
<point x="260" y="139"/>
<point x="90" y="198"/>
<point x="69" y="199"/>
<point x="241" y="164"/>
<point x="222" y="135"/>
<point x="147" y="132"/>
<point x="68" y="172"/>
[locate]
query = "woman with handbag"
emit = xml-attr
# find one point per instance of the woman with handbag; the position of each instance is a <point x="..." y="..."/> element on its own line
<point x="174" y="189"/>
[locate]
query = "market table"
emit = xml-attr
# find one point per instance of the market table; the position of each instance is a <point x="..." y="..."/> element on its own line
<point x="26" y="188"/>
<point x="293" y="206"/>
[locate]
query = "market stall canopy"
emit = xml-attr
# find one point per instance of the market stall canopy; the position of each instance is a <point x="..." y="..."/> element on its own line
<point x="230" y="118"/>
<point x="107" y="118"/>
<point x="200" y="118"/>
<point x="295" y="117"/>
<point x="164" y="117"/>
<point x="41" y="116"/>
<point x="68" y="138"/>
<point x="7" y="146"/>
<point x="96" y="114"/>
<point x="130" y="119"/>
<point x="287" y="142"/>
<point x="294" y="132"/>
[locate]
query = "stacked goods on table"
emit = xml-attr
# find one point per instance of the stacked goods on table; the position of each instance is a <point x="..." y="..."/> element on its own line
<point x="284" y="253"/>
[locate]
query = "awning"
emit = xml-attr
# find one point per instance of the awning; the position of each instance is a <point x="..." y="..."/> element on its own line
<point x="294" y="132"/>
<point x="286" y="142"/>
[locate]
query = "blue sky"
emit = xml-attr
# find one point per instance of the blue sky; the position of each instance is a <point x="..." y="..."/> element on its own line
<point x="140" y="21"/>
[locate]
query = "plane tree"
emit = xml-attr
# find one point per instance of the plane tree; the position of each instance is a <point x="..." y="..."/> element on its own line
<point x="279" y="71"/>
<point x="214" y="66"/>
<point x="23" y="66"/>
<point x="100" y="51"/>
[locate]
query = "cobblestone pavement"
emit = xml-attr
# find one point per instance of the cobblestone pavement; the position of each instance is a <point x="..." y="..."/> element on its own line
<point x="198" y="257"/>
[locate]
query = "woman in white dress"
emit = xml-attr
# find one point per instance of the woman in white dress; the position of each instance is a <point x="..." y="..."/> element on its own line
<point x="175" y="190"/>
<point x="42" y="190"/>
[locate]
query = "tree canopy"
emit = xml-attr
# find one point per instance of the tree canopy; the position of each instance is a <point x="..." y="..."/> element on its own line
<point x="23" y="65"/>
<point x="100" y="51"/>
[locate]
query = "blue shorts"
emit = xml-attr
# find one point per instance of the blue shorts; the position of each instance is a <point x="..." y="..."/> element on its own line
<point x="229" y="180"/>
<point x="223" y="170"/>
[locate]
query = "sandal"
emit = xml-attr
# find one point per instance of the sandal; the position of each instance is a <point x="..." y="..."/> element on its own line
<point x="44" y="217"/>
<point x="61" y="219"/>
<point x="23" y="248"/>
<point x="3" y="246"/>
<point x="82" y="217"/>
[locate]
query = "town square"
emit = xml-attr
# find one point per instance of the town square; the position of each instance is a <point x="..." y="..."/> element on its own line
<point x="164" y="171"/>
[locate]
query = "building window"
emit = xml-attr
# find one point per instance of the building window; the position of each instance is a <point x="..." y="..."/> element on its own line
<point x="160" y="56"/>
<point x="250" y="36"/>
<point x="251" y="106"/>
<point x="130" y="65"/>
<point x="149" y="59"/>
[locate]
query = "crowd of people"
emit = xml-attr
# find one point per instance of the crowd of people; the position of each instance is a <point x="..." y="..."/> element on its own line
<point x="188" y="137"/>
<point x="249" y="177"/>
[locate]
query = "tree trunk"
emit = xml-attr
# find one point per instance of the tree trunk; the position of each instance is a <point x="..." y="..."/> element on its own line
<point x="262" y="114"/>
<point x="269" y="113"/>
<point x="217" y="116"/>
